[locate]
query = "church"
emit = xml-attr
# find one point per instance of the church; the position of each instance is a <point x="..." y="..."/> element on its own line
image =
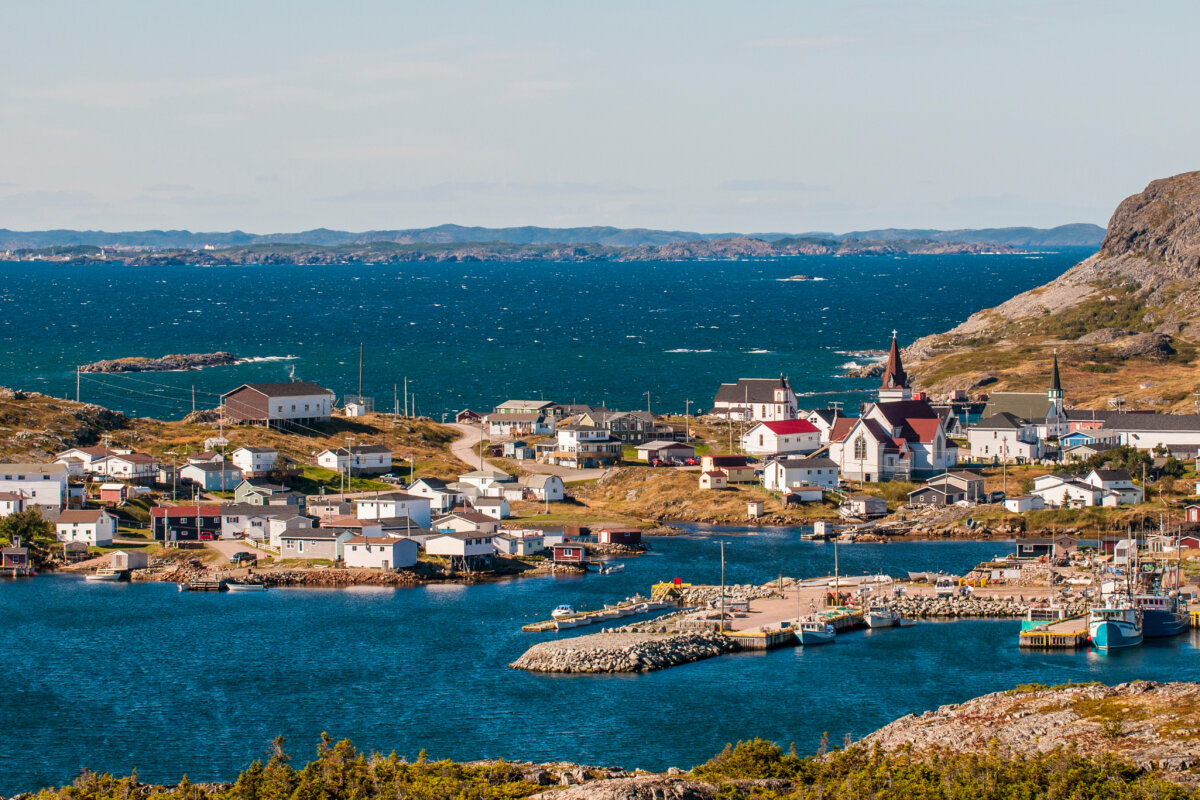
<point x="899" y="437"/>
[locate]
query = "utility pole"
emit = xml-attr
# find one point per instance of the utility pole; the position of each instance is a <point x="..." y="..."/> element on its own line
<point x="647" y="401"/>
<point x="406" y="395"/>
<point x="722" y="585"/>
<point x="360" y="359"/>
<point x="687" y="420"/>
<point x="76" y="384"/>
<point x="193" y="398"/>
<point x="395" y="401"/>
<point x="350" y="462"/>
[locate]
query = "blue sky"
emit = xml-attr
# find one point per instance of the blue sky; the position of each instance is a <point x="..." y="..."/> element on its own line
<point x="754" y="116"/>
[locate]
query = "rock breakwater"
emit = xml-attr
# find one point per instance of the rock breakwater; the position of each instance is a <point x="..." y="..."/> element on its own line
<point x="926" y="607"/>
<point x="622" y="652"/>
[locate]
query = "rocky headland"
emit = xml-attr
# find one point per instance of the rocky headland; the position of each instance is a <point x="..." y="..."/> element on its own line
<point x="167" y="363"/>
<point x="1130" y="311"/>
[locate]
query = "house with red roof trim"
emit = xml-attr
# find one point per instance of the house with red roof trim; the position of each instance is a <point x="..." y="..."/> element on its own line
<point x="781" y="437"/>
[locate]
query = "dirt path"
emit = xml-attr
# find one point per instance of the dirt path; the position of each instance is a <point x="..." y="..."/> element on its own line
<point x="465" y="450"/>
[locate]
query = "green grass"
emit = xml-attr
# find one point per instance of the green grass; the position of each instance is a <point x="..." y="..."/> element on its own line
<point x="311" y="479"/>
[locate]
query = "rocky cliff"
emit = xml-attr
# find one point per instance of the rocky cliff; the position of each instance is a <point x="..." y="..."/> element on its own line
<point x="1127" y="316"/>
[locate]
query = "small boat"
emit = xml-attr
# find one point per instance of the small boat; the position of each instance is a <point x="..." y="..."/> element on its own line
<point x="945" y="587"/>
<point x="609" y="569"/>
<point x="565" y="624"/>
<point x="239" y="586"/>
<point x="563" y="611"/>
<point x="814" y="631"/>
<point x="880" y="617"/>
<point x="107" y="575"/>
<point x="1115" y="624"/>
<point x="905" y="622"/>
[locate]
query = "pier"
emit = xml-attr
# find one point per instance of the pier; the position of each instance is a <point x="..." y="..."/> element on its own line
<point x="1196" y="618"/>
<point x="630" y="608"/>
<point x="1067" y="634"/>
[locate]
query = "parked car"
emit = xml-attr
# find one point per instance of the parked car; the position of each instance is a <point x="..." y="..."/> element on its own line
<point x="242" y="557"/>
<point x="691" y="462"/>
<point x="390" y="477"/>
<point x="998" y="497"/>
<point x="751" y="460"/>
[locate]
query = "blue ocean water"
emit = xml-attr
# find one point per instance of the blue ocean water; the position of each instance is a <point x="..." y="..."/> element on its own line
<point x="117" y="676"/>
<point x="474" y="334"/>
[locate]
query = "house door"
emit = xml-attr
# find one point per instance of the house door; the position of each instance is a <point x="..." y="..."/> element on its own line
<point x="385" y="564"/>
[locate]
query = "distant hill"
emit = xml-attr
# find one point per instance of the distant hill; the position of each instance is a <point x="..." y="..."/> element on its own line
<point x="1078" y="235"/>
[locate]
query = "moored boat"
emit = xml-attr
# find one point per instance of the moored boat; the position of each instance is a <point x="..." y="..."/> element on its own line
<point x="106" y="575"/>
<point x="879" y="616"/>
<point x="1163" y="614"/>
<point x="1116" y="624"/>
<point x="814" y="631"/>
<point x="238" y="586"/>
<point x="563" y="611"/>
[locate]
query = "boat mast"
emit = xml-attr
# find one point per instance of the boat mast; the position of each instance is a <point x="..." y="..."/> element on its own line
<point x="722" y="585"/>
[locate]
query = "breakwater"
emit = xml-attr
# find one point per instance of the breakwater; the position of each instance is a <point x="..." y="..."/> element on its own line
<point x="928" y="607"/>
<point x="623" y="652"/>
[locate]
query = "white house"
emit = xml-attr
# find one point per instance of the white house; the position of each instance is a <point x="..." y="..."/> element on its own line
<point x="1004" y="437"/>
<point x="220" y="476"/>
<point x="781" y="437"/>
<point x="461" y="545"/>
<point x="277" y="404"/>
<point x="584" y="447"/>
<point x="763" y="399"/>
<point x="823" y="419"/>
<point x="394" y="505"/>
<point x="1149" y="431"/>
<point x="43" y="485"/>
<point x="494" y="507"/>
<point x="364" y="458"/>
<point x="379" y="552"/>
<point x="81" y="459"/>
<point x="439" y="494"/>
<point x="545" y="488"/>
<point x="788" y="473"/>
<point x="519" y="543"/>
<point x="127" y="466"/>
<point x="483" y="480"/>
<point x="466" y="522"/>
<point x="11" y="503"/>
<point x="1023" y="503"/>
<point x="254" y="461"/>
<point x="1118" y="482"/>
<point x="519" y="424"/>
<point x="1066" y="491"/>
<point x="92" y="526"/>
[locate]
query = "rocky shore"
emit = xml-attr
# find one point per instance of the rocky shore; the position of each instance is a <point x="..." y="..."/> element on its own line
<point x="622" y="652"/>
<point x="167" y="363"/>
<point x="926" y="607"/>
<point x="1152" y="725"/>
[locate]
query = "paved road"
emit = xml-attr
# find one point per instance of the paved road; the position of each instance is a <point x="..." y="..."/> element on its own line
<point x="464" y="449"/>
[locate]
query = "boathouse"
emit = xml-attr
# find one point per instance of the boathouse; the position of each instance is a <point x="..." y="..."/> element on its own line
<point x="569" y="553"/>
<point x="278" y="404"/>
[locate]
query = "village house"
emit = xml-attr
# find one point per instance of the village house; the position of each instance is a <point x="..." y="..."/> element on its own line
<point x="494" y="507"/>
<point x="713" y="479"/>
<point x="14" y="557"/>
<point x="132" y="467"/>
<point x="519" y="543"/>
<point x="314" y="543"/>
<point x="544" y="488"/>
<point x="278" y="404"/>
<point x="466" y="522"/>
<point x="11" y="503"/>
<point x="1099" y="439"/>
<point x="205" y="457"/>
<point x="395" y="505"/>
<point x="568" y="553"/>
<point x="210" y="476"/>
<point x="630" y="427"/>
<point x="517" y="450"/>
<point x="1043" y="410"/>
<point x="762" y="399"/>
<point x="661" y="450"/>
<point x="254" y="462"/>
<point x="782" y="437"/>
<point x="502" y="426"/>
<point x="92" y="526"/>
<point x="610" y="533"/>
<point x="485" y="481"/>
<point x="379" y="552"/>
<point x="1151" y="431"/>
<point x="81" y="460"/>
<point x="468" y="417"/>
<point x="584" y="447"/>
<point x="1119" y="482"/>
<point x="1038" y="546"/>
<point x="1004" y="437"/>
<point x="735" y="468"/>
<point x="362" y="459"/>
<point x="948" y="489"/>
<point x="259" y="492"/>
<point x="863" y="506"/>
<point x="328" y="506"/>
<point x="1022" y="503"/>
<point x="441" y="498"/>
<point x="464" y="550"/>
<point x="190" y="523"/>
<point x="114" y="493"/>
<point x="793" y="473"/>
<point x="1082" y="452"/>
<point x="260" y="523"/>
<point x="41" y="485"/>
<point x="1067" y="491"/>
<point x="545" y="408"/>
<point x="823" y="419"/>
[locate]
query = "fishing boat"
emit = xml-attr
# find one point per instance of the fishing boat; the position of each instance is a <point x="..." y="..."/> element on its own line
<point x="238" y="586"/>
<point x="609" y="569"/>
<point x="1117" y="623"/>
<point x="1163" y="614"/>
<point x="563" y="611"/>
<point x="107" y="575"/>
<point x="880" y="616"/>
<point x="945" y="587"/>
<point x="814" y="631"/>
<point x="905" y="622"/>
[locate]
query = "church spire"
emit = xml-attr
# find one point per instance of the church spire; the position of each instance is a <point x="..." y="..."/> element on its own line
<point x="1055" y="382"/>
<point x="894" y="376"/>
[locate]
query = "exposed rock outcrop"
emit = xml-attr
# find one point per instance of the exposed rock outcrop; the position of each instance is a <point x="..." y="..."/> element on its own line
<point x="622" y="652"/>
<point x="168" y="363"/>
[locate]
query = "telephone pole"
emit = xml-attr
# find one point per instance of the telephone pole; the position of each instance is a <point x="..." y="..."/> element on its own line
<point x="77" y="384"/>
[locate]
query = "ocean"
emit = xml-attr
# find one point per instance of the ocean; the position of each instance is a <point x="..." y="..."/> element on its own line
<point x="471" y="335"/>
<point x="116" y="676"/>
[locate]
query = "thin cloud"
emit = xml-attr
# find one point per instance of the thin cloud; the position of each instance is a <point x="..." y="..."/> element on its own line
<point x="458" y="190"/>
<point x="802" y="42"/>
<point x="170" y="187"/>
<point x="771" y="186"/>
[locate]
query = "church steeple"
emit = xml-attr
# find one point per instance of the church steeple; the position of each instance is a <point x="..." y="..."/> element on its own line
<point x="1055" y="393"/>
<point x="895" y="379"/>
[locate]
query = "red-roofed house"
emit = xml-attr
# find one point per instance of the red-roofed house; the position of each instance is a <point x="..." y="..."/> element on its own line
<point x="782" y="437"/>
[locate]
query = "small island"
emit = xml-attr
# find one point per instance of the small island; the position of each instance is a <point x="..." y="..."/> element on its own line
<point x="167" y="363"/>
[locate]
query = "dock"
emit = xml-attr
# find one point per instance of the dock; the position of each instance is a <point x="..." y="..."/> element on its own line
<point x="631" y="608"/>
<point x="203" y="586"/>
<point x="1196" y="618"/>
<point x="1068" y="634"/>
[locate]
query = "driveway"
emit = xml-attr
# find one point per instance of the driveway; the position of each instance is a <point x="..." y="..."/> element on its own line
<point x="464" y="449"/>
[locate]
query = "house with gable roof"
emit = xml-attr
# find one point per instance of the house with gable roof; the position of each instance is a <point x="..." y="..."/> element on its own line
<point x="760" y="399"/>
<point x="781" y="437"/>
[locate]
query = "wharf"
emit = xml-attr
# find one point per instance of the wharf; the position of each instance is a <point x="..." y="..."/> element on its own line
<point x="203" y="586"/>
<point x="1196" y="618"/>
<point x="768" y="637"/>
<point x="1068" y="634"/>
<point x="630" y="608"/>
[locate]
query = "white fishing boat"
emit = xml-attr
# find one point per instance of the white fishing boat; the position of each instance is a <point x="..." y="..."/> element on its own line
<point x="905" y="622"/>
<point x="880" y="617"/>
<point x="609" y="569"/>
<point x="236" y="586"/>
<point x="945" y="587"/>
<point x="814" y="631"/>
<point x="106" y="575"/>
<point x="1116" y="624"/>
<point x="568" y="623"/>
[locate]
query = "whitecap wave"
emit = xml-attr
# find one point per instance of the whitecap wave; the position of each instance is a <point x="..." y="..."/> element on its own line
<point x="686" y="350"/>
<point x="758" y="352"/>
<point x="265" y="359"/>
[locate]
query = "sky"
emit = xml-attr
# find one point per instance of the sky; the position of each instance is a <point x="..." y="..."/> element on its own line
<point x="748" y="116"/>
